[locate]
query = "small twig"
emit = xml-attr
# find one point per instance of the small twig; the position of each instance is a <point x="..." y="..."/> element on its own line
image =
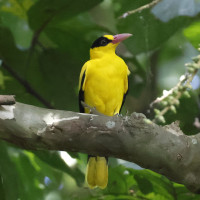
<point x="170" y="92"/>
<point x="126" y="14"/>
<point x="176" y="98"/>
<point x="171" y="97"/>
<point x="35" y="41"/>
<point x="37" y="35"/>
<point x="27" y="86"/>
<point x="7" y="99"/>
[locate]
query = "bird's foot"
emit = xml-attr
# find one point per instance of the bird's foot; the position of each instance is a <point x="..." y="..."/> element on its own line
<point x="92" y="110"/>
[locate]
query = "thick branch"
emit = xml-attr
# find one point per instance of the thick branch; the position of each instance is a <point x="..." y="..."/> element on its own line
<point x="165" y="150"/>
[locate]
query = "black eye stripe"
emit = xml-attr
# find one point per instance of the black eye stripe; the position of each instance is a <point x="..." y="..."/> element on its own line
<point x="102" y="41"/>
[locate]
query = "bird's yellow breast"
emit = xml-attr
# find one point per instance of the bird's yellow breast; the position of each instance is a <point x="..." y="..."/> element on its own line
<point x="105" y="84"/>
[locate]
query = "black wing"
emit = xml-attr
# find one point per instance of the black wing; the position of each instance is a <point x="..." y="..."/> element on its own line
<point x="124" y="98"/>
<point x="81" y="94"/>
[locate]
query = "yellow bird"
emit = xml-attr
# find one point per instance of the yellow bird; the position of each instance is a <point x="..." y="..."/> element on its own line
<point x="103" y="84"/>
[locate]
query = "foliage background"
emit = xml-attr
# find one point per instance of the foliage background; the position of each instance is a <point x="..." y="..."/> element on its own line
<point x="43" y="45"/>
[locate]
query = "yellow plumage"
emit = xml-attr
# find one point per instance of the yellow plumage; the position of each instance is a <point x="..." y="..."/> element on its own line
<point x="103" y="83"/>
<point x="97" y="172"/>
<point x="101" y="172"/>
<point x="91" y="172"/>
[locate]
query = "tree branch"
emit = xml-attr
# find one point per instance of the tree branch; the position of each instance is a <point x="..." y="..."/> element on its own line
<point x="35" y="40"/>
<point x="165" y="150"/>
<point x="170" y="98"/>
<point x="140" y="9"/>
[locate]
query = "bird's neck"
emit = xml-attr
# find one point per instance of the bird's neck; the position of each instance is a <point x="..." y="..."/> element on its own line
<point x="95" y="53"/>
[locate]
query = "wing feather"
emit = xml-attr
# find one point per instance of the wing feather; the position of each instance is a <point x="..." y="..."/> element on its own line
<point x="82" y="80"/>
<point x="125" y="89"/>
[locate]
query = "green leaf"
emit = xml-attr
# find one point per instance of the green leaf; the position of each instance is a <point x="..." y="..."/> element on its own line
<point x="54" y="62"/>
<point x="2" y="192"/>
<point x="7" y="45"/>
<point x="152" y="185"/>
<point x="16" y="7"/>
<point x="13" y="16"/>
<point x="42" y="12"/>
<point x="142" y="183"/>
<point x="182" y="193"/>
<point x="192" y="33"/>
<point x="148" y="32"/>
<point x="116" y="197"/>
<point x="17" y="62"/>
<point x="24" y="174"/>
<point x="17" y="174"/>
<point x="53" y="159"/>
<point x="117" y="181"/>
<point x="189" y="106"/>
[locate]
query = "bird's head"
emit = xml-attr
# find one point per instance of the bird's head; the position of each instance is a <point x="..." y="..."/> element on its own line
<point x="107" y="44"/>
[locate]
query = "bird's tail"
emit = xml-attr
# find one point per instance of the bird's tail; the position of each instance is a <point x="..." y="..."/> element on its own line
<point x="97" y="172"/>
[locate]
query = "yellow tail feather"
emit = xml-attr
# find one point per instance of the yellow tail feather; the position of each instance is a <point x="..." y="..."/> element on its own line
<point x="101" y="172"/>
<point x="91" y="172"/>
<point x="97" y="172"/>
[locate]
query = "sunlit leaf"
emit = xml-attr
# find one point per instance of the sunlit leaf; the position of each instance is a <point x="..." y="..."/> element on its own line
<point x="192" y="33"/>
<point x="14" y="16"/>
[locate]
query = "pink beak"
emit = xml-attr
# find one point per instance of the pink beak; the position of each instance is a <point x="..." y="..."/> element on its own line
<point x="120" y="37"/>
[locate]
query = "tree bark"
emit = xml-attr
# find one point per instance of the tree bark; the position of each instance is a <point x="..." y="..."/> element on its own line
<point x="165" y="150"/>
<point x="7" y="99"/>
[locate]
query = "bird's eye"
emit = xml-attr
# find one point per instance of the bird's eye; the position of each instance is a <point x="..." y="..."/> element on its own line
<point x="104" y="42"/>
<point x="100" y="42"/>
